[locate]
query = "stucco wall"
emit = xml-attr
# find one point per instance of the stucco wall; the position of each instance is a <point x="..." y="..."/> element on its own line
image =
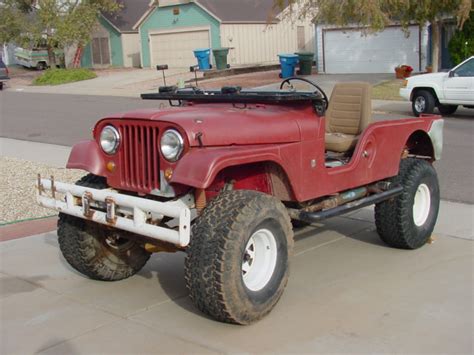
<point x="116" y="51"/>
<point x="163" y="18"/>
<point x="131" y="49"/>
<point x="261" y="43"/>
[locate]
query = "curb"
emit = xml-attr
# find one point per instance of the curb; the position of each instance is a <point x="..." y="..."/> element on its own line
<point x="27" y="228"/>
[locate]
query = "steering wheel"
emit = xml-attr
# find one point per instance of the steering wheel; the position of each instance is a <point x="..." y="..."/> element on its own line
<point x="318" y="89"/>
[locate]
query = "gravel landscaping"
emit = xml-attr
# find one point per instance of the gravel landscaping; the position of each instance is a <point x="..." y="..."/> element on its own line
<point x="17" y="188"/>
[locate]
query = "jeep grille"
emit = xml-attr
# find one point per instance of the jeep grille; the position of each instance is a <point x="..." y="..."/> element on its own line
<point x="139" y="157"/>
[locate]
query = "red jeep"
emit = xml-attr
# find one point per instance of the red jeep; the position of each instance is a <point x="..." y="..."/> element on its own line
<point x="222" y="174"/>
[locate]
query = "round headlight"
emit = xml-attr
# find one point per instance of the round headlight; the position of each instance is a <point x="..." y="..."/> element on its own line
<point x="109" y="139"/>
<point x="172" y="145"/>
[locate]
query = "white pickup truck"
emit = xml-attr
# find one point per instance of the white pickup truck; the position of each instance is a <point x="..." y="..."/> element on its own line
<point x="446" y="91"/>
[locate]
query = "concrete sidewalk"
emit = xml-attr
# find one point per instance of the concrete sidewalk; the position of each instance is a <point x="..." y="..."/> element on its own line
<point x="127" y="83"/>
<point x="347" y="293"/>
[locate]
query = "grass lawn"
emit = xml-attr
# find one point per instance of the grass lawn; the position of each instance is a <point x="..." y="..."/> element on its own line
<point x="63" y="76"/>
<point x="387" y="90"/>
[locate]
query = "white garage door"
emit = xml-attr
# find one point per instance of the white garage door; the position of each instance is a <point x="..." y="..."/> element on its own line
<point x="176" y="48"/>
<point x="351" y="52"/>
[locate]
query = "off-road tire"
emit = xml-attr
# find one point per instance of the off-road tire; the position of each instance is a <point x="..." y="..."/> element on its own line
<point x="429" y="100"/>
<point x="85" y="246"/>
<point x="213" y="266"/>
<point x="447" y="110"/>
<point x="394" y="218"/>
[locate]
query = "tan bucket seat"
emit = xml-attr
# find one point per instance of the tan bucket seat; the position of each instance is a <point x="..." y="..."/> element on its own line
<point x="348" y="114"/>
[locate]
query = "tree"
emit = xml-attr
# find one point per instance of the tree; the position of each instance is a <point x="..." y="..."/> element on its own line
<point x="461" y="45"/>
<point x="51" y="23"/>
<point x="374" y="15"/>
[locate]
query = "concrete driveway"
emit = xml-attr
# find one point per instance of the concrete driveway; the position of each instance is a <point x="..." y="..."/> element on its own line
<point x="348" y="293"/>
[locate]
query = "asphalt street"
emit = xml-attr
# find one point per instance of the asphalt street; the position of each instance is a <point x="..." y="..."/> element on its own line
<point x="66" y="119"/>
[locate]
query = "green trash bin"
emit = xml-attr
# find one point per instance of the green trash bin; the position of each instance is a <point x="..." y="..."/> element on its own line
<point x="306" y="62"/>
<point x="220" y="55"/>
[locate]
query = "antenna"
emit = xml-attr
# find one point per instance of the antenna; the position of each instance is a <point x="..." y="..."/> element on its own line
<point x="163" y="68"/>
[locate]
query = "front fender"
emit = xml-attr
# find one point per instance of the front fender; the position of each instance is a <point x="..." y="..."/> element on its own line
<point x="87" y="155"/>
<point x="200" y="166"/>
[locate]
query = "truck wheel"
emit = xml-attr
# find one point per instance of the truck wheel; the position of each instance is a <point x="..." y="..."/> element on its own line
<point x="1" y="86"/>
<point x="41" y="66"/>
<point x="423" y="102"/>
<point x="407" y="221"/>
<point x="95" y="250"/>
<point x="237" y="263"/>
<point x="446" y="110"/>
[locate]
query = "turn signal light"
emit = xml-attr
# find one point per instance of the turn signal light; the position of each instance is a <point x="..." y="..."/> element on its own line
<point x="168" y="174"/>
<point x="110" y="166"/>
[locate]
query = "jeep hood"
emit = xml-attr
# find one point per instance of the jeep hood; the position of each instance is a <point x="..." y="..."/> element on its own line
<point x="224" y="124"/>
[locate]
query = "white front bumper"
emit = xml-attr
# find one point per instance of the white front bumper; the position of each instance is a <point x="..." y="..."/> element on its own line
<point x="405" y="93"/>
<point x="125" y="212"/>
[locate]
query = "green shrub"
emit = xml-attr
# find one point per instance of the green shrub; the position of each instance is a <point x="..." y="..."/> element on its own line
<point x="63" y="76"/>
<point x="461" y="45"/>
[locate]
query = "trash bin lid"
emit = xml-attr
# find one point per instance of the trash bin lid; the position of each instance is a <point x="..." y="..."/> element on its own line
<point x="289" y="55"/>
<point x="305" y="53"/>
<point x="199" y="50"/>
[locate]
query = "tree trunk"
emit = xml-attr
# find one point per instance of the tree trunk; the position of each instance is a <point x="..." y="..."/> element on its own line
<point x="51" y="57"/>
<point x="435" y="45"/>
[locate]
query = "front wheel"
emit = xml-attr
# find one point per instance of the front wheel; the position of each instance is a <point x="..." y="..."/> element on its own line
<point x="237" y="263"/>
<point x="95" y="250"/>
<point x="407" y="221"/>
<point x="423" y="102"/>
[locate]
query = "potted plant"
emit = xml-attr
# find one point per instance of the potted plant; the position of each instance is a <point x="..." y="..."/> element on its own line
<point x="403" y="71"/>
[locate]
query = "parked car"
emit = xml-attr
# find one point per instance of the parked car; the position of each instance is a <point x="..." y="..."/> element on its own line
<point x="3" y="73"/>
<point x="37" y="58"/>
<point x="446" y="91"/>
<point x="222" y="173"/>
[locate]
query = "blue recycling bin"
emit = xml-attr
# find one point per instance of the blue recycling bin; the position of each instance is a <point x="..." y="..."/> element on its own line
<point x="288" y="64"/>
<point x="203" y="56"/>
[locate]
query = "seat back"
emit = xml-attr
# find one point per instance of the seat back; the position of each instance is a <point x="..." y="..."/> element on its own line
<point x="350" y="108"/>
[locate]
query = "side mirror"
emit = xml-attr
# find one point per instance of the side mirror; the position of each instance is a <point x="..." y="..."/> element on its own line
<point x="451" y="73"/>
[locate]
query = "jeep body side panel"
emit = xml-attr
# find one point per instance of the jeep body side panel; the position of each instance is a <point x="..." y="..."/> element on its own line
<point x="376" y="157"/>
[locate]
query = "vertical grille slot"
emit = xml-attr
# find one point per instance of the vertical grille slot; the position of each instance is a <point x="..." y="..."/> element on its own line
<point x="139" y="158"/>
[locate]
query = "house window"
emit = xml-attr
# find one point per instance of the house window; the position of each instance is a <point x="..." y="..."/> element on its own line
<point x="300" y="37"/>
<point x="100" y="51"/>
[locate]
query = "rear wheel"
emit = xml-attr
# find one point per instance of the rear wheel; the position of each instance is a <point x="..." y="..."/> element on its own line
<point x="407" y="221"/>
<point x="98" y="251"/>
<point x="446" y="110"/>
<point x="423" y="102"/>
<point x="238" y="260"/>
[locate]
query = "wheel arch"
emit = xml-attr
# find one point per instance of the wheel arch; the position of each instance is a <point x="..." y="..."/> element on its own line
<point x="252" y="168"/>
<point x="419" y="143"/>
<point x="430" y="89"/>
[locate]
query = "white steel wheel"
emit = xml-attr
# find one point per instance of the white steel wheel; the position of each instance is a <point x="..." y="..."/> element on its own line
<point x="421" y="205"/>
<point x="420" y="104"/>
<point x="259" y="260"/>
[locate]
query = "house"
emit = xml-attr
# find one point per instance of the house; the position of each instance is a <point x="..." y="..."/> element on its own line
<point x="351" y="50"/>
<point x="171" y="29"/>
<point x="116" y="42"/>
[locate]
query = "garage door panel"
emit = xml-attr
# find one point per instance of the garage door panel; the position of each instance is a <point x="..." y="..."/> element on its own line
<point x="176" y="49"/>
<point x="350" y="52"/>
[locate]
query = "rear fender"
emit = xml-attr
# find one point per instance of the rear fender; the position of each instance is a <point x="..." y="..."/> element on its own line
<point x="200" y="167"/>
<point x="87" y="155"/>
